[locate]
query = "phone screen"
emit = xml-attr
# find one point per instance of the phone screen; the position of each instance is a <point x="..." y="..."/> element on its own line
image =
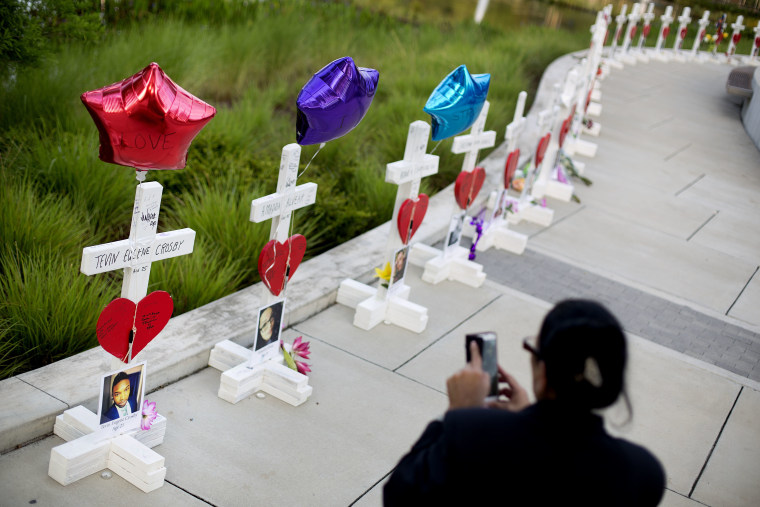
<point x="487" y="345"/>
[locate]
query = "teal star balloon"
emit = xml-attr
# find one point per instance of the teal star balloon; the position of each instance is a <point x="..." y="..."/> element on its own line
<point x="456" y="102"/>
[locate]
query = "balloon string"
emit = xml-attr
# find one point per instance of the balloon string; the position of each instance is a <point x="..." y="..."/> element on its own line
<point x="436" y="147"/>
<point x="312" y="158"/>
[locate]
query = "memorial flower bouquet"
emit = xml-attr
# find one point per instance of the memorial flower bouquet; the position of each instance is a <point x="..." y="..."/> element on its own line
<point x="299" y="349"/>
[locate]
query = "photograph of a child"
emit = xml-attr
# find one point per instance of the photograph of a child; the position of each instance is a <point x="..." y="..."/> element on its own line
<point x="269" y="325"/>
<point x="399" y="265"/>
<point x="121" y="393"/>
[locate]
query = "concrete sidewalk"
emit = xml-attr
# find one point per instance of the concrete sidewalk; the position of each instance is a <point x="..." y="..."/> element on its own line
<point x="645" y="240"/>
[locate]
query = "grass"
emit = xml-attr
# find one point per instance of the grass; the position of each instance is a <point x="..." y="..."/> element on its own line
<point x="59" y="198"/>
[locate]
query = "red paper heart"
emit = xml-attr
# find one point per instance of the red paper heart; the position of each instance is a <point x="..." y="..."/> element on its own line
<point x="665" y="32"/>
<point x="645" y="30"/>
<point x="736" y="38"/>
<point x="468" y="185"/>
<point x="149" y="317"/>
<point x="683" y="32"/>
<point x="510" y="167"/>
<point x="702" y="34"/>
<point x="278" y="262"/>
<point x="541" y="149"/>
<point x="633" y="31"/>
<point x="757" y="42"/>
<point x="410" y="216"/>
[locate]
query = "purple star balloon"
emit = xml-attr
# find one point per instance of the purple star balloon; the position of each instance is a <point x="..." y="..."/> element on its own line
<point x="334" y="101"/>
<point x="456" y="102"/>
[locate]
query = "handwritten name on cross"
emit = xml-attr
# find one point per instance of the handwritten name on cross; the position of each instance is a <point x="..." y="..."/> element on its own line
<point x="416" y="164"/>
<point x="143" y="247"/>
<point x="279" y="206"/>
<point x="475" y="141"/>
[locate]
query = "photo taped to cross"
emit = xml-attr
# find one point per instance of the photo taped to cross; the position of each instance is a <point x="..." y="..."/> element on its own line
<point x="121" y="398"/>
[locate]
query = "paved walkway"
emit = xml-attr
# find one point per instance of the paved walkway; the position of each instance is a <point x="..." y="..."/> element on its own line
<point x="669" y="242"/>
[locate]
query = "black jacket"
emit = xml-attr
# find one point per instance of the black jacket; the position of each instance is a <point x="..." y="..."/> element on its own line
<point x="547" y="454"/>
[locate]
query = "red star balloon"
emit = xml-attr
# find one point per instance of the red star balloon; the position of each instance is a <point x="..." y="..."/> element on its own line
<point x="146" y="121"/>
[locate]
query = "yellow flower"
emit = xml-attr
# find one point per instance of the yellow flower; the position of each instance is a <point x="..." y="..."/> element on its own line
<point x="725" y="35"/>
<point x="385" y="273"/>
<point x="708" y="37"/>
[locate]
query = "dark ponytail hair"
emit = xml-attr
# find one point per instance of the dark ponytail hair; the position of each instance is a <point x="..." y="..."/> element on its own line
<point x="584" y="349"/>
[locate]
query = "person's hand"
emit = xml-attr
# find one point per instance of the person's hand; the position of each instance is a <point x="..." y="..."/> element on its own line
<point x="469" y="386"/>
<point x="515" y="394"/>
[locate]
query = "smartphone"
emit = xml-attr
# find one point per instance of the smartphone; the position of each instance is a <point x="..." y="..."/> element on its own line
<point x="487" y="345"/>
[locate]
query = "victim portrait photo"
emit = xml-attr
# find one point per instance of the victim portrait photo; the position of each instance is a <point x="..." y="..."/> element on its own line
<point x="121" y="393"/>
<point x="269" y="325"/>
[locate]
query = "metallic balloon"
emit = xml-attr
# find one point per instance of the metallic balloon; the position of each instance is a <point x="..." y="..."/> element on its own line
<point x="146" y="121"/>
<point x="334" y="101"/>
<point x="456" y="102"/>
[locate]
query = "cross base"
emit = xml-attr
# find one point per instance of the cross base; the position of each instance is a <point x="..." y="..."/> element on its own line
<point x="594" y="109"/>
<point x="554" y="189"/>
<point x="595" y="130"/>
<point x="660" y="55"/>
<point x="452" y="266"/>
<point x="679" y="56"/>
<point x="371" y="310"/>
<point x="626" y="58"/>
<point x="580" y="147"/>
<point x="642" y="56"/>
<point x="533" y="213"/>
<point x="614" y="63"/>
<point x="239" y="380"/>
<point x="499" y="236"/>
<point x="87" y="451"/>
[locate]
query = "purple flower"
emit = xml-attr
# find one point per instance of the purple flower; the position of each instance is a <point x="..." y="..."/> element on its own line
<point x="149" y="414"/>
<point x="561" y="175"/>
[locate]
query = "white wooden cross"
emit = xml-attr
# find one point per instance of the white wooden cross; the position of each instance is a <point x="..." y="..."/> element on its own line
<point x="373" y="304"/>
<point x="619" y="24"/>
<point x="497" y="233"/>
<point x="527" y="209"/>
<point x="452" y="263"/>
<point x="546" y="183"/>
<point x="738" y="26"/>
<point x="143" y="247"/>
<point x="703" y="22"/>
<point x="665" y="21"/>
<point x="755" y="43"/>
<point x="683" y="21"/>
<point x="244" y="371"/>
<point x="88" y="450"/>
<point x="476" y="140"/>
<point x="633" y="21"/>
<point x="647" y="17"/>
